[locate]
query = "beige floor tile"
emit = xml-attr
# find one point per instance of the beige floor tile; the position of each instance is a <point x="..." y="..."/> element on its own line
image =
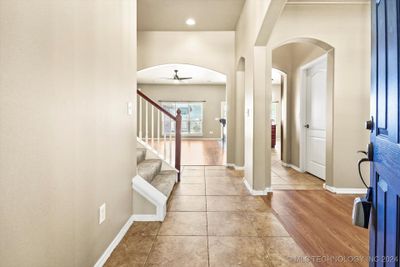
<point x="187" y="203"/>
<point x="236" y="251"/>
<point x="221" y="189"/>
<point x="190" y="190"/>
<point x="218" y="180"/>
<point x="179" y="251"/>
<point x="229" y="224"/>
<point x="131" y="251"/>
<point x="192" y="180"/>
<point x="192" y="173"/>
<point x="221" y="173"/>
<point x="266" y="224"/>
<point x="144" y="228"/>
<point x="225" y="203"/>
<point x="282" y="251"/>
<point x="184" y="223"/>
<point x="192" y="167"/>
<point x="255" y="204"/>
<point x="241" y="189"/>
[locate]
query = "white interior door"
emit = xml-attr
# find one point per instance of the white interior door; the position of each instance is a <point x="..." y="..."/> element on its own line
<point x="316" y="118"/>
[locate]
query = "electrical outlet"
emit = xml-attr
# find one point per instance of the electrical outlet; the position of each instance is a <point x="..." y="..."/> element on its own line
<point x="102" y="213"/>
<point x="211" y="132"/>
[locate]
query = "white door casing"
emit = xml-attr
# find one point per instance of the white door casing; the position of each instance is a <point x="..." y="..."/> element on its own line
<point x="315" y="75"/>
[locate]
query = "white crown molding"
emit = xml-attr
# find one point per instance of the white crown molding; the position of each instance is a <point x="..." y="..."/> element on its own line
<point x="106" y="254"/>
<point x="256" y="192"/>
<point x="344" y="190"/>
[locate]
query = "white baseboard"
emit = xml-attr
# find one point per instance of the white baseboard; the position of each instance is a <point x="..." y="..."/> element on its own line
<point x="292" y="166"/>
<point x="103" y="258"/>
<point x="146" y="218"/>
<point x="231" y="165"/>
<point x="256" y="192"/>
<point x="154" y="196"/>
<point x="344" y="191"/>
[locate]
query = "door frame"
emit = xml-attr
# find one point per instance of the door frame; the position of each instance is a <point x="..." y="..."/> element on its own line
<point x="303" y="109"/>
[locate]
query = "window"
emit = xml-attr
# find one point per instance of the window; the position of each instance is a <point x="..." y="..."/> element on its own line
<point x="192" y="117"/>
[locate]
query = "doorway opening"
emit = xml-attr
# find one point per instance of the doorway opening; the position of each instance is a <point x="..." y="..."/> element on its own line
<point x="301" y="116"/>
<point x="198" y="93"/>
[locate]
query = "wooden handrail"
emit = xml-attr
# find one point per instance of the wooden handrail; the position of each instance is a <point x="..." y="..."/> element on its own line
<point x="151" y="101"/>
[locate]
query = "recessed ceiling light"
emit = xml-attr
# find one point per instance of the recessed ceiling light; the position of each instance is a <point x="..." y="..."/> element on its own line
<point x="190" y="22"/>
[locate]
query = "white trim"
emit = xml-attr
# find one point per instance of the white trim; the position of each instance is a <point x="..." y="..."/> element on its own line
<point x="292" y="166"/>
<point x="232" y="165"/>
<point x="256" y="192"/>
<point x="145" y="218"/>
<point x="155" y="152"/>
<point x="106" y="254"/>
<point x="303" y="108"/>
<point x="154" y="196"/>
<point x="344" y="191"/>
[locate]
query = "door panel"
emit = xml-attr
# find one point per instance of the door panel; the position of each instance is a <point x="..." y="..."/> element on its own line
<point x="316" y="119"/>
<point x="385" y="170"/>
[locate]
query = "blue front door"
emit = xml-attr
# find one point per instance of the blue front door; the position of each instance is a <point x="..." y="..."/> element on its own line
<point x="385" y="170"/>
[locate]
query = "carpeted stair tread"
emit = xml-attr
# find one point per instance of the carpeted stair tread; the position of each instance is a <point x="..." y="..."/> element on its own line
<point x="149" y="168"/>
<point x="140" y="154"/>
<point x="164" y="182"/>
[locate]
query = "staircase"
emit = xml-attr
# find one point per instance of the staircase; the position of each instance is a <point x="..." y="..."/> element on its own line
<point x="150" y="171"/>
<point x="158" y="159"/>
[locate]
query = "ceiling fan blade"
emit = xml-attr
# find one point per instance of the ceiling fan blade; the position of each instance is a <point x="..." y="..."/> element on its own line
<point x="185" y="78"/>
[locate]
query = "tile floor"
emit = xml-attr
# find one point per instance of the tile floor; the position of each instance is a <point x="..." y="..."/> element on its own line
<point x="211" y="221"/>
<point x="285" y="178"/>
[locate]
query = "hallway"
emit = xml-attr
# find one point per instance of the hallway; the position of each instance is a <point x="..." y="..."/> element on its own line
<point x="286" y="178"/>
<point x="211" y="221"/>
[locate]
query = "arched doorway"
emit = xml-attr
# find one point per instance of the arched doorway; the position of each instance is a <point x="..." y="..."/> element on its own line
<point x="200" y="94"/>
<point x="297" y="58"/>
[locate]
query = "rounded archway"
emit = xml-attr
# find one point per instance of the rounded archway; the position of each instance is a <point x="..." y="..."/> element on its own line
<point x="201" y="95"/>
<point x="295" y="57"/>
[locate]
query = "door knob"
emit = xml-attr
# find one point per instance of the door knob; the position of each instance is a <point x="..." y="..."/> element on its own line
<point x="307" y="126"/>
<point x="369" y="125"/>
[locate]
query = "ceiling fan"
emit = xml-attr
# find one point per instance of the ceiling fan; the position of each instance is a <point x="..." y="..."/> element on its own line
<point x="177" y="78"/>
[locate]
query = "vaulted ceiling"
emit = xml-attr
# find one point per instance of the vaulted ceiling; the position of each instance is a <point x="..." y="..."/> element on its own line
<point x="170" y="15"/>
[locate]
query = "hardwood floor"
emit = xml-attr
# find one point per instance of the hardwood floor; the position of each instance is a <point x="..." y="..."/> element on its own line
<point x="320" y="223"/>
<point x="203" y="152"/>
<point x="198" y="152"/>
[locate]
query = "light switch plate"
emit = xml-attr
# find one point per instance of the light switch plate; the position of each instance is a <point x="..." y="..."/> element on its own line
<point x="102" y="213"/>
<point x="130" y="108"/>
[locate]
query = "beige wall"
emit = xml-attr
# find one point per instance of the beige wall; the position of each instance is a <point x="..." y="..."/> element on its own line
<point x="213" y="50"/>
<point x="351" y="74"/>
<point x="258" y="34"/>
<point x="67" y="144"/>
<point x="212" y="95"/>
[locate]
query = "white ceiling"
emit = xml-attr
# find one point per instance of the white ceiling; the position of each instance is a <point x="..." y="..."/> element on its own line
<point x="160" y="74"/>
<point x="170" y="15"/>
